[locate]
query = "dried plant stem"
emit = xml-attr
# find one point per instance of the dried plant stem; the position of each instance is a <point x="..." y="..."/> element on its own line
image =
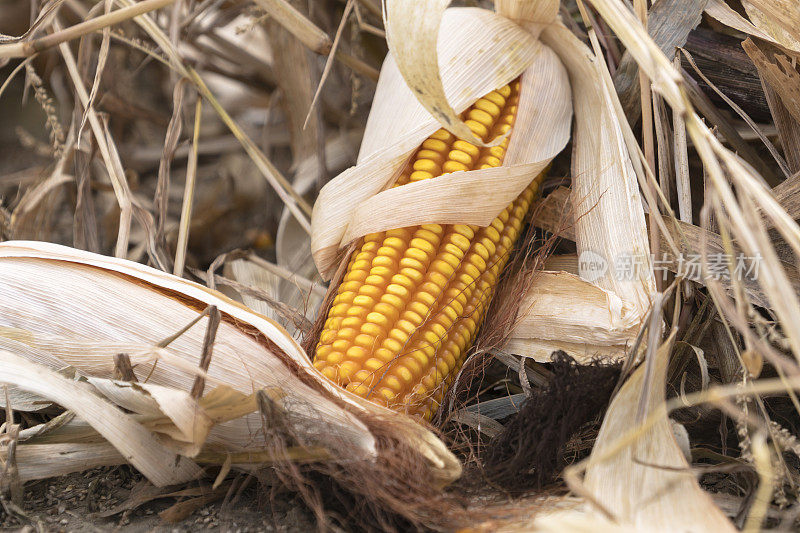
<point x="29" y="48"/>
<point x="118" y="180"/>
<point x="13" y="74"/>
<point x="329" y="63"/>
<point x="640" y="6"/>
<point x="763" y="495"/>
<point x="648" y="141"/>
<point x="123" y="370"/>
<point x="357" y="66"/>
<point x="188" y="194"/>
<point x="214" y="318"/>
<point x="681" y="161"/>
<point x="297" y="24"/>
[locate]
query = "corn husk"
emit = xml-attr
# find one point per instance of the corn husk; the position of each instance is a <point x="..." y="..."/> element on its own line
<point x="600" y="317"/>
<point x="106" y="306"/>
<point x="589" y="322"/>
<point x="161" y="465"/>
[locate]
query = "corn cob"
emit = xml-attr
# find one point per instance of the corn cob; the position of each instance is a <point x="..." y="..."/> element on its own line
<point x="410" y="305"/>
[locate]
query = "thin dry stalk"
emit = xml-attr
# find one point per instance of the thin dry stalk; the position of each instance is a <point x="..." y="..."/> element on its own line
<point x="62" y="35"/>
<point x="298" y="25"/>
<point x="188" y="194"/>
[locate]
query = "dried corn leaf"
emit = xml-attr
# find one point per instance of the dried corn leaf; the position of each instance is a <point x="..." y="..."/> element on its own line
<point x="780" y="75"/>
<point x="726" y="15"/>
<point x="778" y="18"/>
<point x="159" y="464"/>
<point x="103" y="302"/>
<point x="412" y="31"/>
<point x="648" y="484"/>
<point x="22" y="400"/>
<point x="564" y="312"/>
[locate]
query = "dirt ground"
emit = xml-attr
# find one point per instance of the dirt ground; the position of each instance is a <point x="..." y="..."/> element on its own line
<point x="84" y="502"/>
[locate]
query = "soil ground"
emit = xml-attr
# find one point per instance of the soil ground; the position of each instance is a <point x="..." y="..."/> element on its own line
<point x="79" y="502"/>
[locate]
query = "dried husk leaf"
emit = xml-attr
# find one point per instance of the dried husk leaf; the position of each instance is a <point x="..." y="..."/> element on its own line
<point x="526" y="12"/>
<point x="23" y="400"/>
<point x="412" y="32"/>
<point x="251" y="274"/>
<point x="159" y="464"/>
<point x="220" y="405"/>
<point x="561" y="311"/>
<point x="778" y="18"/>
<point x="182" y="428"/>
<point x="648" y="484"/>
<point x="191" y="422"/>
<point x="608" y="225"/>
<point x="609" y="217"/>
<point x="555" y="519"/>
<point x="719" y="10"/>
<point x="473" y="63"/>
<point x="105" y="300"/>
<point x="36" y="461"/>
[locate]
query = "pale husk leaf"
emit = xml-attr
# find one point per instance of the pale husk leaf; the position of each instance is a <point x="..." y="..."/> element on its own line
<point x="475" y="197"/>
<point x="412" y="31"/>
<point x="609" y="217"/>
<point x="251" y="274"/>
<point x="648" y="484"/>
<point x="156" y="401"/>
<point x="561" y="311"/>
<point x="35" y="461"/>
<point x="527" y="13"/>
<point x="719" y="10"/>
<point x="101" y="299"/>
<point x="160" y="465"/>
<point x="608" y="223"/>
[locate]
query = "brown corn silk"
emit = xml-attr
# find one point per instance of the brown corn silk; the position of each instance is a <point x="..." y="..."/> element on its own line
<point x="411" y="303"/>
